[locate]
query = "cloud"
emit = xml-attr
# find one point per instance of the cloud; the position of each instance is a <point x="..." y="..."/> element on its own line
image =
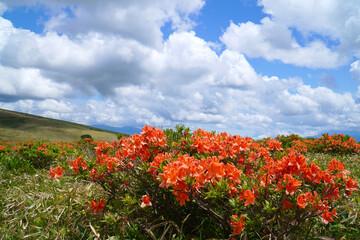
<point x="295" y="104"/>
<point x="235" y="71"/>
<point x="122" y="72"/>
<point x="26" y="106"/>
<point x="3" y="8"/>
<point x="114" y="17"/>
<point x="355" y="70"/>
<point x="330" y="20"/>
<point x="307" y="15"/>
<point x="246" y="120"/>
<point x="55" y="106"/>
<point x="29" y="83"/>
<point x="326" y="33"/>
<point x="87" y="62"/>
<point x="329" y="101"/>
<point x="93" y="55"/>
<point x="274" y="41"/>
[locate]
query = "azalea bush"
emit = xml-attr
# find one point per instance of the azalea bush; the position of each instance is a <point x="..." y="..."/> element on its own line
<point x="294" y="141"/>
<point x="38" y="153"/>
<point x="30" y="155"/>
<point x="335" y="144"/>
<point x="202" y="184"/>
<point x="338" y="143"/>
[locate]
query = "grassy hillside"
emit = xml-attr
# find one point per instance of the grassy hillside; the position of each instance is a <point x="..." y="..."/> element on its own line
<point x="17" y="126"/>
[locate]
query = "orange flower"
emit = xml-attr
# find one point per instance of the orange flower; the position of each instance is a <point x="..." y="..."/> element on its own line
<point x="265" y="180"/>
<point x="313" y="173"/>
<point x="182" y="197"/>
<point x="93" y="173"/>
<point x="274" y="145"/>
<point x="351" y="185"/>
<point x="291" y="184"/>
<point x="145" y="201"/>
<point x="130" y="164"/>
<point x="232" y="172"/>
<point x="331" y="193"/>
<point x="154" y="165"/>
<point x="76" y="164"/>
<point x="248" y="196"/>
<point x="83" y="165"/>
<point x="97" y="207"/>
<point x="216" y="168"/>
<point x="293" y="163"/>
<point x="337" y="166"/>
<point x="55" y="173"/>
<point x="327" y="215"/>
<point x="303" y="199"/>
<point x="286" y="205"/>
<point x="102" y="147"/>
<point x="328" y="178"/>
<point x="237" y="224"/>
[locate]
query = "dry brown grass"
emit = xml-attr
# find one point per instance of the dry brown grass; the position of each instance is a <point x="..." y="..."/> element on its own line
<point x="36" y="207"/>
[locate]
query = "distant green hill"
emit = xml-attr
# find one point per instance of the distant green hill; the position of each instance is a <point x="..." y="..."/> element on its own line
<point x="16" y="126"/>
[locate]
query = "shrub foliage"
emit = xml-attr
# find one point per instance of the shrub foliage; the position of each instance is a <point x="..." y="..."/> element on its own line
<point x="208" y="185"/>
<point x="178" y="184"/>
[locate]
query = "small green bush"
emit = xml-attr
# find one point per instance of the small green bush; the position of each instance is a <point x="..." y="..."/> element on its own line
<point x="86" y="136"/>
<point x="39" y="154"/>
<point x="122" y="135"/>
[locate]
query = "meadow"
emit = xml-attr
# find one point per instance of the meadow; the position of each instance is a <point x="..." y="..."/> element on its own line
<point x="181" y="184"/>
<point x="16" y="126"/>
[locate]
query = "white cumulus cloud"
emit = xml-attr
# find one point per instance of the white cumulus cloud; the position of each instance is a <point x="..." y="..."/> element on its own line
<point x="111" y="65"/>
<point x="273" y="41"/>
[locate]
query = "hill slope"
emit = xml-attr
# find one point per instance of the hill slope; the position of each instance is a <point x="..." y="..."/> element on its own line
<point x="16" y="126"/>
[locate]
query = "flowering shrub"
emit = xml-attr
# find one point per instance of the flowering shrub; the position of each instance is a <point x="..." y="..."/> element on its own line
<point x="295" y="142"/>
<point x="337" y="144"/>
<point x="2" y="148"/>
<point x="38" y="153"/>
<point x="31" y="155"/>
<point x="214" y="185"/>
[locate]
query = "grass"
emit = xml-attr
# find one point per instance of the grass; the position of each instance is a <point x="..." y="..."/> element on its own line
<point x="36" y="207"/>
<point x="53" y="134"/>
<point x="15" y="126"/>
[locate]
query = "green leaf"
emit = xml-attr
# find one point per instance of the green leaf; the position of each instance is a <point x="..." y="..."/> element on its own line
<point x="233" y="202"/>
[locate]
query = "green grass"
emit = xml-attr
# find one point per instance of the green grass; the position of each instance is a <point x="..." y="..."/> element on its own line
<point x="15" y="126"/>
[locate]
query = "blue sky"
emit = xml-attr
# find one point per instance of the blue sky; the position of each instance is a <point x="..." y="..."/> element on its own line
<point x="254" y="68"/>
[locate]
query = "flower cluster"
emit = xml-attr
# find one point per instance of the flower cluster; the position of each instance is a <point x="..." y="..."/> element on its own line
<point x="253" y="179"/>
<point x="97" y="206"/>
<point x="56" y="173"/>
<point x="77" y="164"/>
<point x="337" y="143"/>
